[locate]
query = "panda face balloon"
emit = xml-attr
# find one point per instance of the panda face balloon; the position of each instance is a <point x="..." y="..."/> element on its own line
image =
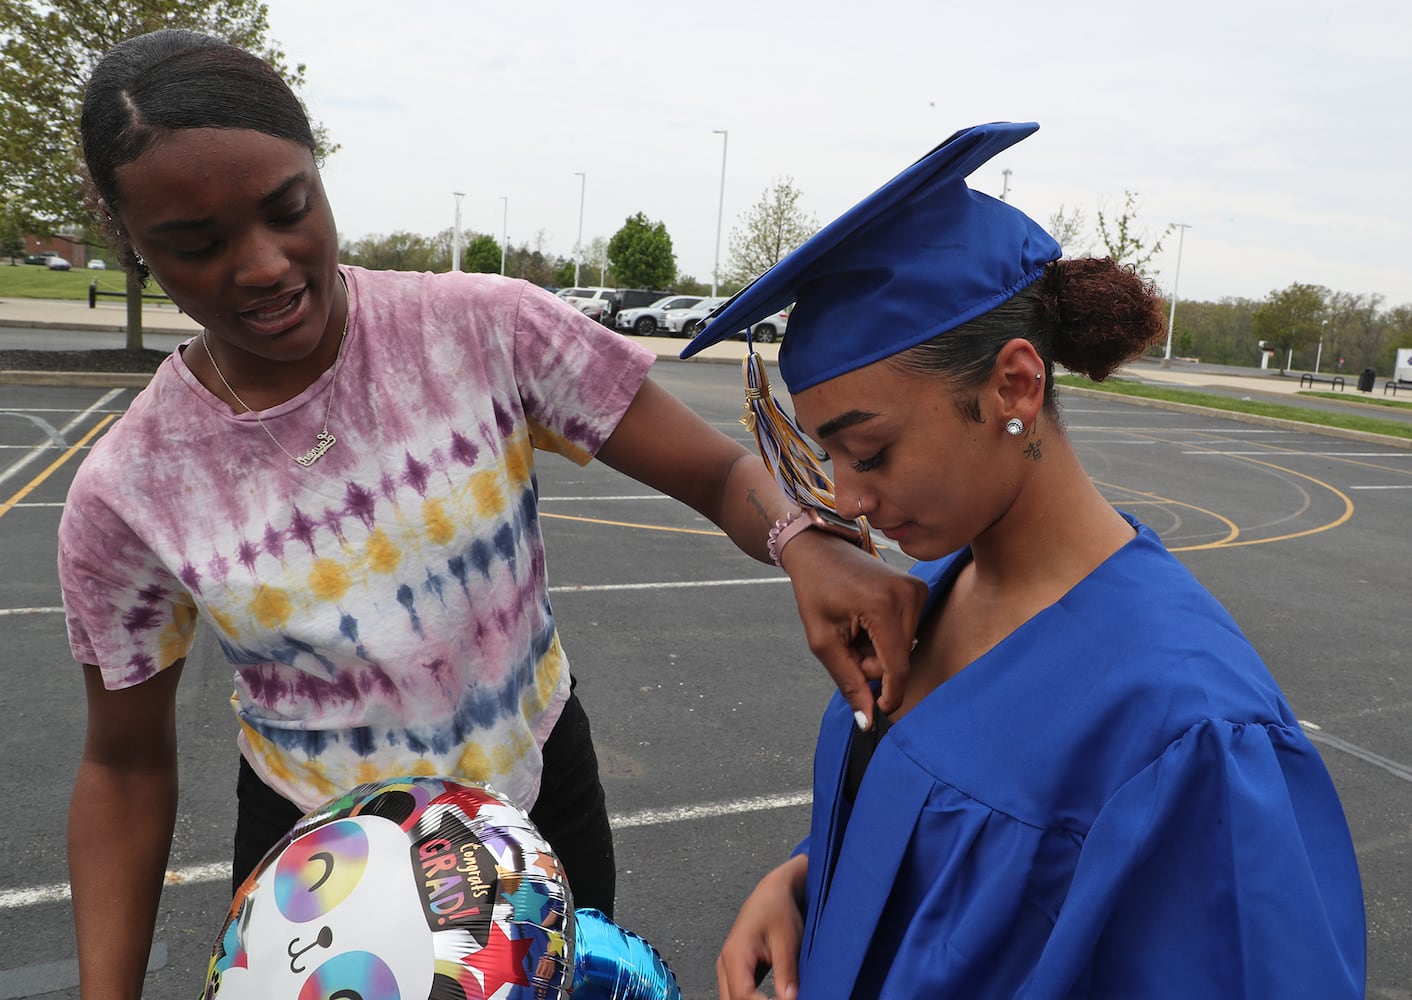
<point x="402" y="890"/>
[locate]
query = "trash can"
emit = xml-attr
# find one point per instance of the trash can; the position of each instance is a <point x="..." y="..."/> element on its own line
<point x="1366" y="379"/>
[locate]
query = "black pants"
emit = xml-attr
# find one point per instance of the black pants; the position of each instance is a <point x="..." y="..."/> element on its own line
<point x="571" y="813"/>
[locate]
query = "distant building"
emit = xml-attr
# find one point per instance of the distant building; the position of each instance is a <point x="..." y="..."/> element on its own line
<point x="71" y="248"/>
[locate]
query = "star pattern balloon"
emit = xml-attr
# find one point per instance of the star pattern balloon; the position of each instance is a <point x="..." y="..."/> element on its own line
<point x="419" y="888"/>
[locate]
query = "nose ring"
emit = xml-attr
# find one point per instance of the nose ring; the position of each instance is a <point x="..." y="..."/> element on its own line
<point x="860" y="506"/>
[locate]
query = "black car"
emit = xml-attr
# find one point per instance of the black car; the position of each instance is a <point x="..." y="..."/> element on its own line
<point x="629" y="298"/>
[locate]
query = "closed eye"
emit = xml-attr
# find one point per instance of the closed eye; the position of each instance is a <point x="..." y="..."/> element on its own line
<point x="295" y="216"/>
<point x="869" y="464"/>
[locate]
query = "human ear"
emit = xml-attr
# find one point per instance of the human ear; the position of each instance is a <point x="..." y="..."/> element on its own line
<point x="1017" y="382"/>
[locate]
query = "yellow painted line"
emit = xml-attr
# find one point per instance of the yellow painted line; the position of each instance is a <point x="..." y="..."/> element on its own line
<point x="628" y="524"/>
<point x="1233" y="532"/>
<point x="1318" y="529"/>
<point x="38" y="480"/>
<point x="1232" y="529"/>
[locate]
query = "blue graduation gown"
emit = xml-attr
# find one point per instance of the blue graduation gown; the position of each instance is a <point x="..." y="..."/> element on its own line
<point x="1115" y="801"/>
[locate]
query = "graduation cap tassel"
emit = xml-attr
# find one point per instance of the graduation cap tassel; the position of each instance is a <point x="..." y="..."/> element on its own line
<point x="785" y="450"/>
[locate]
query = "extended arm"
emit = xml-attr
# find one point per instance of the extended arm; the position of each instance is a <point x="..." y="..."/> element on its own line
<point x="859" y="614"/>
<point x="120" y="829"/>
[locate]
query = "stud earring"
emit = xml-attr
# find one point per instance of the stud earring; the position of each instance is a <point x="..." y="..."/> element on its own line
<point x="1014" y="427"/>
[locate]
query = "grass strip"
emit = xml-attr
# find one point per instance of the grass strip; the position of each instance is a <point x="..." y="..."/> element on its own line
<point x="1280" y="411"/>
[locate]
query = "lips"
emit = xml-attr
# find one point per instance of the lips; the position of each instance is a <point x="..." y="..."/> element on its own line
<point x="278" y="314"/>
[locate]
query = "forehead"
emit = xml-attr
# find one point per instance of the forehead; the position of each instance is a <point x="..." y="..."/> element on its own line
<point x="210" y="164"/>
<point x="878" y="389"/>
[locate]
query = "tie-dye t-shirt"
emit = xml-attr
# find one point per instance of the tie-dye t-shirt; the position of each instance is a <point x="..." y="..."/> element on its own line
<point x="387" y="608"/>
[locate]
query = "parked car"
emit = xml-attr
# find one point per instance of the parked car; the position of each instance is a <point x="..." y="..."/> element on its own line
<point x="769" y="329"/>
<point x="591" y="301"/>
<point x="56" y="263"/>
<point x="647" y="320"/>
<point x="41" y="258"/>
<point x="683" y="322"/>
<point x="96" y="265"/>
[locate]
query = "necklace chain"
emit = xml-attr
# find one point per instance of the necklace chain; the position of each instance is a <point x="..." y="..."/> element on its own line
<point x="324" y="440"/>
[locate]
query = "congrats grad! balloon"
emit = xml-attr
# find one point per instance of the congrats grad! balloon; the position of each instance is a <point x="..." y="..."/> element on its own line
<point x="419" y="888"/>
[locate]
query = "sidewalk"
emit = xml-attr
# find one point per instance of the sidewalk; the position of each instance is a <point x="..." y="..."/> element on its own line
<point x="109" y="317"/>
<point x="165" y="319"/>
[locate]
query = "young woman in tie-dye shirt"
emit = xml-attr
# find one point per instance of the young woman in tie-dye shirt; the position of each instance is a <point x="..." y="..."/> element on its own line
<point x="337" y="476"/>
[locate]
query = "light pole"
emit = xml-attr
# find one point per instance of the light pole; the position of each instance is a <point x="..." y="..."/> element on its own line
<point x="1182" y="227"/>
<point x="504" y="229"/>
<point x="456" y="234"/>
<point x="578" y="244"/>
<point x="1319" y="354"/>
<point x="1005" y="187"/>
<point x="720" y="208"/>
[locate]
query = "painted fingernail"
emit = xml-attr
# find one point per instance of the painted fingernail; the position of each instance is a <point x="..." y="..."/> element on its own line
<point x="861" y="720"/>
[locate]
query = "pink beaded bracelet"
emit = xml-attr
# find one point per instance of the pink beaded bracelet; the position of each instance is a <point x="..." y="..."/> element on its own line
<point x="785" y="529"/>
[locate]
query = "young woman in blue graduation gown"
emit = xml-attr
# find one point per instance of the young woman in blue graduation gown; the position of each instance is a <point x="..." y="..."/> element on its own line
<point x="1090" y="786"/>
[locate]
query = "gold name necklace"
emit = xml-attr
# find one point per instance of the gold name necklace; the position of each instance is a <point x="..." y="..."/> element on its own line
<point x="324" y="441"/>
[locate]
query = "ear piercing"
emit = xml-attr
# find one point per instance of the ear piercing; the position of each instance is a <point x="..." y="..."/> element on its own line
<point x="1014" y="427"/>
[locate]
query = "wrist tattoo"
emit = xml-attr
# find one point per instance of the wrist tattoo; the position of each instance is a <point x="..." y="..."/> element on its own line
<point x="754" y="501"/>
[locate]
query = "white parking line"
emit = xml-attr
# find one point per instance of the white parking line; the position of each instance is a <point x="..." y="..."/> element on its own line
<point x="14" y="899"/>
<point x="39" y="450"/>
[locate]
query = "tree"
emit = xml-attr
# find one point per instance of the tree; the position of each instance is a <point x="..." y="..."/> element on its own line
<point x="773" y="227"/>
<point x="401" y="251"/>
<point x="1290" y="318"/>
<point x="1068" y="230"/>
<point x="1355" y="329"/>
<point x="641" y="254"/>
<point x="536" y="266"/>
<point x="595" y="263"/>
<point x="1127" y="244"/>
<point x="12" y="242"/>
<point x="482" y="254"/>
<point x="50" y="48"/>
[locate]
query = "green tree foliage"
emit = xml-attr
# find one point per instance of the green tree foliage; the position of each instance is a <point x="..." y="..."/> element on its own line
<point x="1356" y="330"/>
<point x="1216" y="332"/>
<point x="770" y="229"/>
<point x="641" y="254"/>
<point x="400" y="251"/>
<point x="1125" y="242"/>
<point x="482" y="254"/>
<point x="12" y="243"/>
<point x="1291" y="319"/>
<point x="51" y="46"/>
<point x="48" y="51"/>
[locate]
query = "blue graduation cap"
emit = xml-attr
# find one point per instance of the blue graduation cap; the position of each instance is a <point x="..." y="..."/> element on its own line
<point x="919" y="256"/>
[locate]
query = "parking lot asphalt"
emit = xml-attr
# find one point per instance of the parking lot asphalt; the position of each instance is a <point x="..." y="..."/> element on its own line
<point x="165" y="323"/>
<point x="703" y="697"/>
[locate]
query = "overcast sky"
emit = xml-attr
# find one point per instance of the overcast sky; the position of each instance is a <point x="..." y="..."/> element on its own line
<point x="1280" y="132"/>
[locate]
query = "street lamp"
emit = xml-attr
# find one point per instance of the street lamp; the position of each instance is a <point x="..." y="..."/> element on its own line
<point x="720" y="207"/>
<point x="1318" y="355"/>
<point x="1181" y="227"/>
<point x="456" y="234"/>
<point x="504" y="229"/>
<point x="578" y="244"/>
<point x="1005" y="188"/>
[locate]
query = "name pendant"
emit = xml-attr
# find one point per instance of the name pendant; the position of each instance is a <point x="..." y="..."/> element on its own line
<point x="325" y="442"/>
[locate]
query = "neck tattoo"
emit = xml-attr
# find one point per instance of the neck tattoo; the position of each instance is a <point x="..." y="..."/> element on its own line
<point x="324" y="440"/>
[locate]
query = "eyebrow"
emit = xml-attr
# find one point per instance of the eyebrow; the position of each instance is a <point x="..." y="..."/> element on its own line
<point x="179" y="225"/>
<point x="843" y="421"/>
